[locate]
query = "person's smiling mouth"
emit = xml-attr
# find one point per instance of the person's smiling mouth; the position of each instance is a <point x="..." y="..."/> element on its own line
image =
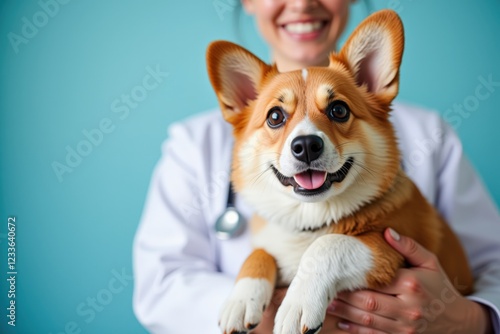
<point x="304" y="30"/>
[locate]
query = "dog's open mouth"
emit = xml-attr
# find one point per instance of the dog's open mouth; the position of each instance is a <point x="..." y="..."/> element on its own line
<point x="314" y="182"/>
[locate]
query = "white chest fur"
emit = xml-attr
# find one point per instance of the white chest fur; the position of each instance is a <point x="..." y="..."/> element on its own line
<point x="286" y="247"/>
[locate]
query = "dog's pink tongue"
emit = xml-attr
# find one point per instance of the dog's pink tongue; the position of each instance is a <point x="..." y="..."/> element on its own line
<point x="311" y="179"/>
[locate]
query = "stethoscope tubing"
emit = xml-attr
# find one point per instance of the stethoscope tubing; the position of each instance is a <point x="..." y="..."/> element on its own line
<point x="230" y="223"/>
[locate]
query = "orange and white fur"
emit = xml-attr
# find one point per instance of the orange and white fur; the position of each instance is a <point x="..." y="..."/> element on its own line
<point x="316" y="156"/>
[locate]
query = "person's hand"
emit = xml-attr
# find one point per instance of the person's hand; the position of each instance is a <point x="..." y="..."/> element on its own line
<point x="420" y="299"/>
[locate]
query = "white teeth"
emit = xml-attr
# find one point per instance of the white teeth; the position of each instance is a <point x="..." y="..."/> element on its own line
<point x="303" y="27"/>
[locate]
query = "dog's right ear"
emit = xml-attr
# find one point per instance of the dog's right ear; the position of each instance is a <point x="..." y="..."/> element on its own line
<point x="236" y="75"/>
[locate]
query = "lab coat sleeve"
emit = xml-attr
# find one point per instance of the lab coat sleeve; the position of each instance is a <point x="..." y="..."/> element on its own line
<point x="178" y="288"/>
<point x="467" y="206"/>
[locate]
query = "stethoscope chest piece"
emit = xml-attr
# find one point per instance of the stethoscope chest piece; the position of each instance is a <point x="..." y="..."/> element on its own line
<point x="230" y="223"/>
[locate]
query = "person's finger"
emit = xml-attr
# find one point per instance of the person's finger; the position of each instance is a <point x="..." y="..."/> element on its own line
<point x="382" y="304"/>
<point x="350" y="327"/>
<point x="413" y="252"/>
<point x="354" y="320"/>
<point x="277" y="298"/>
<point x="406" y="281"/>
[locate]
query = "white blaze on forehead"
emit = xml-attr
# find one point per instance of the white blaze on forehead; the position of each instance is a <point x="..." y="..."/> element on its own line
<point x="304" y="73"/>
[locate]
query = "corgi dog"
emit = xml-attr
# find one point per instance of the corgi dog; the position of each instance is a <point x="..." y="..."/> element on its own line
<point x="316" y="156"/>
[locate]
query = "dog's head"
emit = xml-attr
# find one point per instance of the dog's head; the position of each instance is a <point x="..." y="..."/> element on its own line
<point x="313" y="145"/>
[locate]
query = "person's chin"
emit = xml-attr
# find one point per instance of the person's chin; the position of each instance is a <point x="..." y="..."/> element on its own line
<point x="310" y="57"/>
<point x="311" y="53"/>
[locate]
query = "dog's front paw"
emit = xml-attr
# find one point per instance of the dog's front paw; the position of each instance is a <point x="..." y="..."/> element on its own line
<point x="301" y="312"/>
<point x="243" y="310"/>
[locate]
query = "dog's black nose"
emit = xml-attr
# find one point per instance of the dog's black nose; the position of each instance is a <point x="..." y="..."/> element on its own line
<point x="307" y="148"/>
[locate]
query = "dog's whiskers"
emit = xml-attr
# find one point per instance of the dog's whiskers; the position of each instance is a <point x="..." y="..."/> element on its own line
<point x="358" y="174"/>
<point x="258" y="176"/>
<point x="369" y="170"/>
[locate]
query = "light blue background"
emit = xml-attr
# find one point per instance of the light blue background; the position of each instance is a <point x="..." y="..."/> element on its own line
<point x="73" y="234"/>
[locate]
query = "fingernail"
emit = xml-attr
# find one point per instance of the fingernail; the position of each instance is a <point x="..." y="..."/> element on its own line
<point x="343" y="325"/>
<point x="395" y="235"/>
<point x="330" y="309"/>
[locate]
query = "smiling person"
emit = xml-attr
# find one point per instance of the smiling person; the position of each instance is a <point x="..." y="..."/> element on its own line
<point x="183" y="272"/>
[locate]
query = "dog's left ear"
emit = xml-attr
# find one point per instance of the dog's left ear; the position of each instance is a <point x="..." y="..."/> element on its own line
<point x="236" y="75"/>
<point x="374" y="52"/>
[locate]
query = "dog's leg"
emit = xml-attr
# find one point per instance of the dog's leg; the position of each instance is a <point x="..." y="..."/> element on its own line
<point x="333" y="263"/>
<point x="251" y="294"/>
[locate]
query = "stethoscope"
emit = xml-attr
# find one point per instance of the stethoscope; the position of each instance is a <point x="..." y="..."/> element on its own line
<point x="231" y="222"/>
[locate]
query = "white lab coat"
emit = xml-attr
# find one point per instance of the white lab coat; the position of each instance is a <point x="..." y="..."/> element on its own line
<point x="183" y="273"/>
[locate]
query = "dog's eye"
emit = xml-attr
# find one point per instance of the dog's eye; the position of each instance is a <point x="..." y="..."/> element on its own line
<point x="275" y="117"/>
<point x="338" y="111"/>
